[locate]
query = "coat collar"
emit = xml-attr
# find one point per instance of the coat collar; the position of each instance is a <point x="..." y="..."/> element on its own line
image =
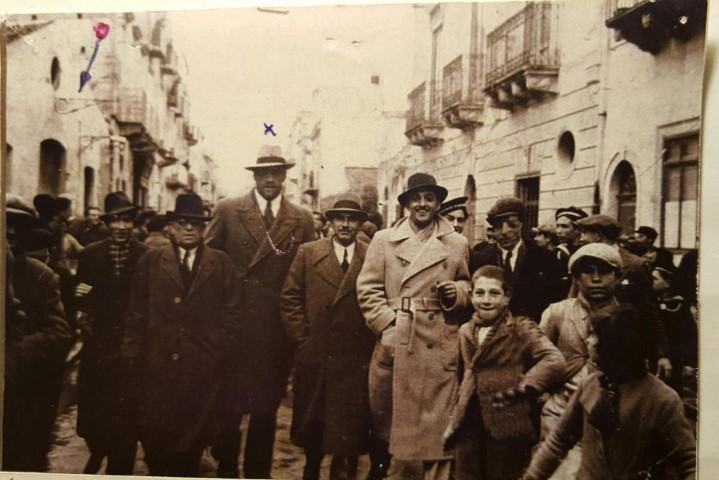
<point x="171" y="266"/>
<point x="349" y="281"/>
<point x="326" y="265"/>
<point x="502" y="330"/>
<point x="420" y="256"/>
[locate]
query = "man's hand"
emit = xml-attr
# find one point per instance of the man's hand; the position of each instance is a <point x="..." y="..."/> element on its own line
<point x="82" y="289"/>
<point x="447" y="292"/>
<point x="664" y="368"/>
<point x="513" y="395"/>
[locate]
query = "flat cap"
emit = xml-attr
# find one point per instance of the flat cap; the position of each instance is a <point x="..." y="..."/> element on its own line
<point x="600" y="223"/>
<point x="573" y="213"/>
<point x="505" y="207"/>
<point x="600" y="251"/>
<point x="454" y="204"/>
<point x="648" y="231"/>
<point x="546" y="229"/>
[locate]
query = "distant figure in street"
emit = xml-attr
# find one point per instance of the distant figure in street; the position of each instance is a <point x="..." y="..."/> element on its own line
<point x="330" y="411"/>
<point x="319" y="221"/>
<point x="455" y="212"/>
<point x="567" y="230"/>
<point x="182" y="321"/>
<point x="107" y="410"/>
<point x="89" y="229"/>
<point x="261" y="232"/>
<point x="414" y="274"/>
<point x="631" y="425"/>
<point x="545" y="237"/>
<point x="157" y="232"/>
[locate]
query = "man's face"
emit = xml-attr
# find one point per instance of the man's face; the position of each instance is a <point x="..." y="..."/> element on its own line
<point x="659" y="284"/>
<point x="457" y="218"/>
<point x="597" y="280"/>
<point x="541" y="240"/>
<point x="187" y="233"/>
<point x="507" y="231"/>
<point x="345" y="226"/>
<point x="566" y="231"/>
<point x="586" y="237"/>
<point x="423" y="206"/>
<point x="642" y="239"/>
<point x="121" y="228"/>
<point x="488" y="298"/>
<point x="93" y="216"/>
<point x="318" y="223"/>
<point x="268" y="181"/>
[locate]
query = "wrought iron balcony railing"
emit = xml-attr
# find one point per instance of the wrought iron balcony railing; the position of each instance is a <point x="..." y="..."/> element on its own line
<point x="424" y="126"/>
<point x="460" y="106"/>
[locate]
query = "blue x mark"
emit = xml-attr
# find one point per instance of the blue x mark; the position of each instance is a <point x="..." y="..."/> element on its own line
<point x="268" y="129"/>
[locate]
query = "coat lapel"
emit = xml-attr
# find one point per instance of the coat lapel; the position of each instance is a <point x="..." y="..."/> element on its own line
<point x="170" y="266"/>
<point x="204" y="269"/>
<point x="284" y="224"/>
<point x="489" y="342"/>
<point x="250" y="219"/>
<point x="349" y="282"/>
<point x="326" y="265"/>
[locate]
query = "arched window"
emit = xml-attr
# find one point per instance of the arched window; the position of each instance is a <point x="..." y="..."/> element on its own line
<point x="89" y="190"/>
<point x="52" y="167"/>
<point x="55" y="73"/>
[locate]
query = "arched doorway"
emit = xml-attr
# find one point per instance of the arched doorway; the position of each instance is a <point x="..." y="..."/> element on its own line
<point x="623" y="189"/>
<point x="89" y="190"/>
<point x="52" y="167"/>
<point x="470" y="191"/>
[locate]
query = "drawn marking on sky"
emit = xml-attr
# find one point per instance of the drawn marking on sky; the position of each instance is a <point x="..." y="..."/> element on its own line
<point x="102" y="30"/>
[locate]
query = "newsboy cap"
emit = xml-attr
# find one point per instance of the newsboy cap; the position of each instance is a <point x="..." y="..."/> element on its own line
<point x="600" y="223"/>
<point x="422" y="181"/>
<point x="505" y="207"/>
<point x="573" y="213"/>
<point x="650" y="233"/>
<point x="600" y="251"/>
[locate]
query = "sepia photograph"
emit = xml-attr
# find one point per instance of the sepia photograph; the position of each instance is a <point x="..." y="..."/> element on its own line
<point x="405" y="241"/>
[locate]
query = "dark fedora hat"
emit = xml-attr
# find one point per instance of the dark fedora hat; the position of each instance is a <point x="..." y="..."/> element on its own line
<point x="270" y="156"/>
<point x="422" y="181"/>
<point x="347" y="205"/>
<point x="189" y="206"/>
<point x="116" y="204"/>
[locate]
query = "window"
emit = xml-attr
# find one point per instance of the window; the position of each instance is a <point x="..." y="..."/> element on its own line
<point x="679" y="201"/>
<point x="528" y="191"/>
<point x="623" y="191"/>
<point x="434" y="90"/>
<point x="55" y="73"/>
<point x="52" y="167"/>
<point x="566" y="148"/>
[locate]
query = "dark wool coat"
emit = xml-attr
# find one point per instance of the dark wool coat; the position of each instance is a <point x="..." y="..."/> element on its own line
<point x="257" y="375"/>
<point x="536" y="279"/>
<point x="35" y="348"/>
<point x="176" y="341"/>
<point x="106" y="409"/>
<point x="334" y="346"/>
<point x="652" y="438"/>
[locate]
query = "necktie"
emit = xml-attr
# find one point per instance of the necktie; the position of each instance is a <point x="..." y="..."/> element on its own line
<point x="508" y="263"/>
<point x="345" y="263"/>
<point x="186" y="261"/>
<point x="269" y="216"/>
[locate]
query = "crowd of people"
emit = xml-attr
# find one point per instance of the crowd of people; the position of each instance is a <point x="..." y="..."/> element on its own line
<point x="566" y="348"/>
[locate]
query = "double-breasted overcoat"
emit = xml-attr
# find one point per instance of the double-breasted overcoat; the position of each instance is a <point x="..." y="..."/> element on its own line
<point x="261" y="361"/>
<point x="176" y="341"/>
<point x="333" y="350"/>
<point x="413" y="367"/>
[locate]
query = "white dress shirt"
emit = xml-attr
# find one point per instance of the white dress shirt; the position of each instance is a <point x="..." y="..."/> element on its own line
<point x="340" y="251"/>
<point x="191" y="260"/>
<point x="262" y="203"/>
<point x="515" y="254"/>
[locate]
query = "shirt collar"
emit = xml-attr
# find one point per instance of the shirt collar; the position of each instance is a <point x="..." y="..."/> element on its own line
<point x="262" y="202"/>
<point x="515" y="250"/>
<point x="340" y="249"/>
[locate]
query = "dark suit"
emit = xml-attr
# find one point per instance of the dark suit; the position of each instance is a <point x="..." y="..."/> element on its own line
<point x="536" y="278"/>
<point x="178" y="331"/>
<point x="256" y="379"/>
<point x="106" y="416"/>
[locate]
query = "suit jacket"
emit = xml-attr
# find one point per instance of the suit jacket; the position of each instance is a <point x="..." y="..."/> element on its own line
<point x="176" y="340"/>
<point x="263" y="356"/>
<point x="536" y="279"/>
<point x="322" y="317"/>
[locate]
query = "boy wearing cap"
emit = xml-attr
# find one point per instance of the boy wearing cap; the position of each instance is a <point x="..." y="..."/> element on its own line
<point x="182" y="320"/>
<point x="414" y="274"/>
<point x="333" y="346"/>
<point x="261" y="232"/>
<point x="455" y="212"/>
<point x="106" y="416"/>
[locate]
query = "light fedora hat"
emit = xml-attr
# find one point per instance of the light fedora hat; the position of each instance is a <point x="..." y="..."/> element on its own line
<point x="270" y="156"/>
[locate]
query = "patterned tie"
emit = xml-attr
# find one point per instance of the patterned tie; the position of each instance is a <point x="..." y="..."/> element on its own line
<point x="345" y="263"/>
<point x="186" y="261"/>
<point x="269" y="216"/>
<point x="508" y="263"/>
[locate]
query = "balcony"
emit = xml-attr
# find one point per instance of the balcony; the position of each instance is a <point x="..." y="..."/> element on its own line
<point x="424" y="127"/>
<point x="523" y="58"/>
<point x="134" y="116"/>
<point x="648" y="24"/>
<point x="173" y="182"/>
<point x="461" y="109"/>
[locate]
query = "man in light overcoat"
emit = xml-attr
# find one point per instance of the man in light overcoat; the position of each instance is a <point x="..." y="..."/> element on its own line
<point x="415" y="273"/>
<point x="261" y="232"/>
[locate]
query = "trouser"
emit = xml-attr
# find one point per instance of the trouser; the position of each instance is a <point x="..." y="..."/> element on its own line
<point x="173" y="464"/>
<point x="257" y="461"/>
<point x="420" y="469"/>
<point x="343" y="467"/>
<point x="120" y="455"/>
<point x="379" y="458"/>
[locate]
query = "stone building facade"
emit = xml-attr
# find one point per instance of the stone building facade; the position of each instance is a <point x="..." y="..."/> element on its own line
<point x="128" y="129"/>
<point x="592" y="103"/>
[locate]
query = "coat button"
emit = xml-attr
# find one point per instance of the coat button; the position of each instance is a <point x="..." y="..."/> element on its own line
<point x="329" y="357"/>
<point x="430" y="345"/>
<point x="431" y="316"/>
<point x="175" y="356"/>
<point x="177" y="299"/>
<point x="433" y="288"/>
<point x="444" y="264"/>
<point x="405" y="263"/>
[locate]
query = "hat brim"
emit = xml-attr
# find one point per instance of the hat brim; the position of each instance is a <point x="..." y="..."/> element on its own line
<point x="120" y="211"/>
<point x="286" y="165"/>
<point x="336" y="211"/>
<point x="170" y="216"/>
<point x="498" y="216"/>
<point x="438" y="190"/>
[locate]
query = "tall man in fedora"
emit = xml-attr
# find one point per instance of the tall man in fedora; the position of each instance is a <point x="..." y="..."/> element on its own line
<point x="106" y="416"/>
<point x="330" y="413"/>
<point x="182" y="320"/>
<point x="261" y="232"/>
<point x="414" y="274"/>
